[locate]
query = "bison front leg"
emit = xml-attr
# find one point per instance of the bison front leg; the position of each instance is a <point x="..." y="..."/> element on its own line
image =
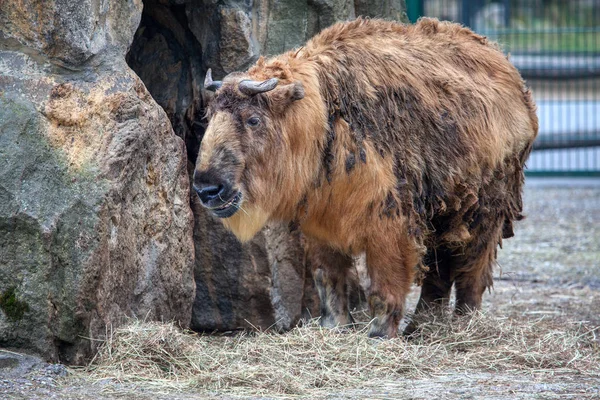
<point x="391" y="269"/>
<point x="330" y="272"/>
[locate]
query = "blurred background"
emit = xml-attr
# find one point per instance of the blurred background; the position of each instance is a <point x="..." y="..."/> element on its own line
<point x="556" y="46"/>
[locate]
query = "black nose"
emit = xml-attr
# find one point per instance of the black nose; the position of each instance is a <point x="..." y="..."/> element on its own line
<point x="210" y="189"/>
<point x="209" y="192"/>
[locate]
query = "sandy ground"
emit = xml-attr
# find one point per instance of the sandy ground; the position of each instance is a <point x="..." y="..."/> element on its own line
<point x="550" y="270"/>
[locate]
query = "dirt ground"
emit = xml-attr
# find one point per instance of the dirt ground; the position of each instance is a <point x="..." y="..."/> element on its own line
<point x="550" y="271"/>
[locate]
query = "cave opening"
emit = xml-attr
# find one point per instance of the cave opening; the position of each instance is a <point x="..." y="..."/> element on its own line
<point x="167" y="57"/>
<point x="178" y="40"/>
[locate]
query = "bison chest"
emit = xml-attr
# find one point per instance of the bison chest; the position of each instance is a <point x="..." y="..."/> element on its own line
<point x="335" y="232"/>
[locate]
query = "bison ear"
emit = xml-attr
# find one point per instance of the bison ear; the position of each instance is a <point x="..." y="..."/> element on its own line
<point x="285" y="95"/>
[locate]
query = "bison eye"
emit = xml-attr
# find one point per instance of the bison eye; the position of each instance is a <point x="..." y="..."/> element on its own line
<point x="253" y="121"/>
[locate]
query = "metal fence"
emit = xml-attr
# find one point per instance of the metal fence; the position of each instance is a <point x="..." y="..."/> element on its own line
<point x="556" y="46"/>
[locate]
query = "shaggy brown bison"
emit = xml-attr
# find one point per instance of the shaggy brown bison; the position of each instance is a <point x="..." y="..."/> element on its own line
<point x="405" y="142"/>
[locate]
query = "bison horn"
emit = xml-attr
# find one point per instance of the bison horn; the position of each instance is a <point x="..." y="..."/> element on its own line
<point x="251" y="88"/>
<point x="209" y="84"/>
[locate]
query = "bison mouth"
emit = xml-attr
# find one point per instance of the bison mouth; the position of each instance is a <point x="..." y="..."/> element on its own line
<point x="228" y="208"/>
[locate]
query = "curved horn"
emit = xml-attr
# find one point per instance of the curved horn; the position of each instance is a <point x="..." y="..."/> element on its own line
<point x="209" y="84"/>
<point x="254" y="87"/>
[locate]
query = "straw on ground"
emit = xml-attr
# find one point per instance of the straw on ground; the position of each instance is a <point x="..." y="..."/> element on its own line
<point x="310" y="361"/>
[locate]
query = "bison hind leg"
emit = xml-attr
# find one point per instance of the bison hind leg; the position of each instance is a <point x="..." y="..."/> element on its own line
<point x="469" y="268"/>
<point x="435" y="288"/>
<point x="475" y="263"/>
<point x="333" y="297"/>
<point x="330" y="272"/>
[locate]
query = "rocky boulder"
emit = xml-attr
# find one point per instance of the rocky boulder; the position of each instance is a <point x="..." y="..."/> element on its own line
<point x="260" y="284"/>
<point x="95" y="224"/>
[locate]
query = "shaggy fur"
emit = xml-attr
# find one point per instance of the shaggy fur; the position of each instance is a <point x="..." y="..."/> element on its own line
<point x="406" y="142"/>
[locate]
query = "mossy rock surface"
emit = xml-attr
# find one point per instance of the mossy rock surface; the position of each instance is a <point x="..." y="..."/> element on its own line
<point x="13" y="308"/>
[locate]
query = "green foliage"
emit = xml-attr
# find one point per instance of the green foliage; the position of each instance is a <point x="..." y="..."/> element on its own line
<point x="12" y="307"/>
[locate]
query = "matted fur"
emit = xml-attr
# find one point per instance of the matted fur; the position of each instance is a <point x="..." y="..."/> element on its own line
<point x="406" y="142"/>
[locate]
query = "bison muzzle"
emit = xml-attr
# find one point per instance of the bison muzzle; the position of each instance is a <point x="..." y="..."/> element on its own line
<point x="405" y="143"/>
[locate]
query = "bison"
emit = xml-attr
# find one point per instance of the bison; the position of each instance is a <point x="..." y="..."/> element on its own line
<point x="403" y="142"/>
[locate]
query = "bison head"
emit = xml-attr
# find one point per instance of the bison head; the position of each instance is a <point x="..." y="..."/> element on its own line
<point x="240" y="169"/>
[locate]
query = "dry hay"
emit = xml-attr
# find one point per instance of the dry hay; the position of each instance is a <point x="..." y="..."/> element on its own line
<point x="313" y="361"/>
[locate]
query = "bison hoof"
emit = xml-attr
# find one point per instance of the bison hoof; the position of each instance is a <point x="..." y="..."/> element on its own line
<point x="330" y="322"/>
<point x="377" y="335"/>
<point x="381" y="332"/>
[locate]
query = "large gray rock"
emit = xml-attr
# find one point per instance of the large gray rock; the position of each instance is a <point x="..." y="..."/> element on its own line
<point x="387" y="9"/>
<point x="69" y="32"/>
<point x="234" y="33"/>
<point x="95" y="224"/>
<point x="259" y="284"/>
<point x="238" y="50"/>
